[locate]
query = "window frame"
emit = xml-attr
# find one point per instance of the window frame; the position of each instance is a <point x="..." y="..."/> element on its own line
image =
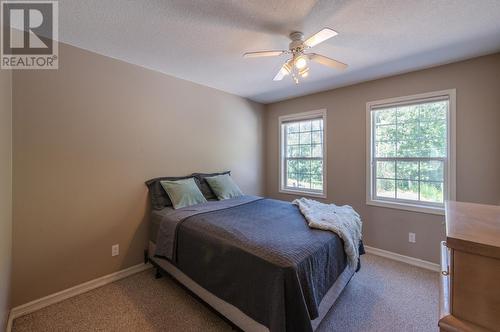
<point x="309" y="115"/>
<point x="449" y="185"/>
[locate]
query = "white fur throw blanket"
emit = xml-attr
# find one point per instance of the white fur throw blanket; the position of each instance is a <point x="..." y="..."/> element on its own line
<point x="342" y="220"/>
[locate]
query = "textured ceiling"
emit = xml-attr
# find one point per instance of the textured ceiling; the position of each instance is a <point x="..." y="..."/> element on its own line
<point x="203" y="41"/>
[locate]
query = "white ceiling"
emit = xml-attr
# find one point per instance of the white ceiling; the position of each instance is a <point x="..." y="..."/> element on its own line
<point x="203" y="40"/>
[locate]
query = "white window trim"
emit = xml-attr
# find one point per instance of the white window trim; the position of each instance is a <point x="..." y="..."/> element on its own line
<point x="450" y="167"/>
<point x="298" y="117"/>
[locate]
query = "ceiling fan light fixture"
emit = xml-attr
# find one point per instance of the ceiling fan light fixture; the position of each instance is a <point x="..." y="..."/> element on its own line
<point x="300" y="62"/>
<point x="297" y="66"/>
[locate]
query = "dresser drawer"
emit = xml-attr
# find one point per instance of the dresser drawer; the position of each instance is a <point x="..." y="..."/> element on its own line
<point x="475" y="289"/>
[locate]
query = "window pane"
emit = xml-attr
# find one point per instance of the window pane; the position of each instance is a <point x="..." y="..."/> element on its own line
<point x="317" y="137"/>
<point x="410" y="149"/>
<point x="434" y="138"/>
<point x="386" y="188"/>
<point x="431" y="192"/>
<point x="407" y="131"/>
<point x="304" y="181"/>
<point x="305" y="138"/>
<point x="317" y="176"/>
<point x="433" y="111"/>
<point x="292" y="166"/>
<point x="407" y="170"/>
<point x="385" y="149"/>
<point x="432" y="170"/>
<point x="386" y="169"/>
<point x="317" y="185"/>
<point x="305" y="151"/>
<point x="407" y="114"/>
<point x="292" y="139"/>
<point x="299" y="180"/>
<point x="301" y="166"/>
<point x="433" y="147"/>
<point x="386" y="116"/>
<point x="305" y="126"/>
<point x="316" y="167"/>
<point x="293" y="151"/>
<point x="429" y="129"/>
<point x="317" y="151"/>
<point x="385" y="133"/>
<point x="292" y="180"/>
<point x="407" y="189"/>
<point x="317" y="124"/>
<point x="306" y="174"/>
<point x="292" y="128"/>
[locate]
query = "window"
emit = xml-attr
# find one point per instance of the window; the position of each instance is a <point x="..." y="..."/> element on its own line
<point x="302" y="153"/>
<point x="410" y="148"/>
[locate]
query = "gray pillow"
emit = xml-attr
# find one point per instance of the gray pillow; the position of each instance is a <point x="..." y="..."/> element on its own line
<point x="223" y="186"/>
<point x="204" y="187"/>
<point x="183" y="193"/>
<point x="159" y="197"/>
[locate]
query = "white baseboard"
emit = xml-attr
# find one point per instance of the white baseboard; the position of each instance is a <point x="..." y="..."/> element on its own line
<point x="38" y="304"/>
<point x="402" y="258"/>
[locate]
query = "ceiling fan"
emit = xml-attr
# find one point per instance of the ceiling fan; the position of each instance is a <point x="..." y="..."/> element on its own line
<point x="297" y="66"/>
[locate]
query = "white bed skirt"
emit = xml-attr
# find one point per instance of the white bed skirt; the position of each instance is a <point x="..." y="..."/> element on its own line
<point x="234" y="314"/>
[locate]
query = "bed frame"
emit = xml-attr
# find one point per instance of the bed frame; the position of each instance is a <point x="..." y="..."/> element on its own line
<point x="234" y="316"/>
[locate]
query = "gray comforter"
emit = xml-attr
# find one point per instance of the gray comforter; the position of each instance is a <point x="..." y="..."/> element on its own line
<point x="257" y="254"/>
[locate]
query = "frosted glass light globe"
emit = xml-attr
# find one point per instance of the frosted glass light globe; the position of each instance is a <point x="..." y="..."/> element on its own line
<point x="300" y="63"/>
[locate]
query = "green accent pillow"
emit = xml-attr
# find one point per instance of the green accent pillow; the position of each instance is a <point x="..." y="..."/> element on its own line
<point x="223" y="186"/>
<point x="183" y="193"/>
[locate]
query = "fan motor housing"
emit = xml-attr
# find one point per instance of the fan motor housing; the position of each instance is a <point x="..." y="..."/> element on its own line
<point x="297" y="43"/>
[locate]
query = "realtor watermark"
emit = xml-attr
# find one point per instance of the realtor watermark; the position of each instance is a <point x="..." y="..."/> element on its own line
<point x="29" y="35"/>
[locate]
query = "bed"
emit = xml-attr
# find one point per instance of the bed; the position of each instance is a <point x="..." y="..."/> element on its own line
<point x="254" y="260"/>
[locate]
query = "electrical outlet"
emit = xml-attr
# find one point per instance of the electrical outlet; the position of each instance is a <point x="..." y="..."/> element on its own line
<point x="411" y="238"/>
<point x="115" y="250"/>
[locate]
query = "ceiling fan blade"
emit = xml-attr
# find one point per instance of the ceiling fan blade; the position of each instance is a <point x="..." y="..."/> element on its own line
<point x="284" y="71"/>
<point x="327" y="61"/>
<point x="262" y="54"/>
<point x="320" y="37"/>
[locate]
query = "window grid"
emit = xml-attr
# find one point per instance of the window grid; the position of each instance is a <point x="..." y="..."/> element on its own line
<point x="396" y="159"/>
<point x="304" y="153"/>
<point x="417" y="180"/>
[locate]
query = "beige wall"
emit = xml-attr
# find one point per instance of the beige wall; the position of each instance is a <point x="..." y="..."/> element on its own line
<point x="86" y="137"/>
<point x="477" y="83"/>
<point x="5" y="194"/>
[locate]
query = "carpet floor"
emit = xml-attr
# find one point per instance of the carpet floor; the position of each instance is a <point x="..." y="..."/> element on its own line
<point x="384" y="296"/>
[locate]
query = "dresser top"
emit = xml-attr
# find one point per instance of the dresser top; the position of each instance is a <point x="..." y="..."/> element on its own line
<point x="473" y="227"/>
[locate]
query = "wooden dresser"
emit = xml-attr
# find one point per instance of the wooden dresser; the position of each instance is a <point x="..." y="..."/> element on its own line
<point x="470" y="264"/>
